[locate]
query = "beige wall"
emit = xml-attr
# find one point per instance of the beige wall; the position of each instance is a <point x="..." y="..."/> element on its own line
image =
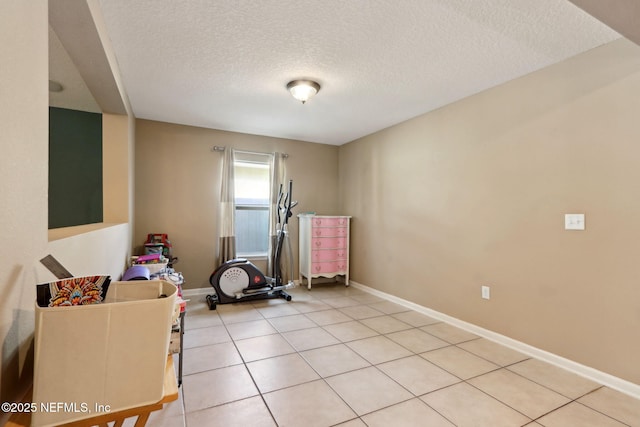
<point x="23" y="180"/>
<point x="475" y="194"/>
<point x="23" y="187"/>
<point x="117" y="141"/>
<point x="178" y="182"/>
<point x="97" y="249"/>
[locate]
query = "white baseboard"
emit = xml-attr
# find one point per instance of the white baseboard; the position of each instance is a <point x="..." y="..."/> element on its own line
<point x="189" y="293"/>
<point x="603" y="378"/>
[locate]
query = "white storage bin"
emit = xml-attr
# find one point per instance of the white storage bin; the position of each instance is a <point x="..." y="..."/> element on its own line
<point x="112" y="353"/>
<point x="154" y="267"/>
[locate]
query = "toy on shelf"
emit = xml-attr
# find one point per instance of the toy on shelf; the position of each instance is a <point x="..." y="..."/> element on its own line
<point x="158" y="243"/>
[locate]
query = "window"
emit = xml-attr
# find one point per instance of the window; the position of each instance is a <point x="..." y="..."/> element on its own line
<point x="252" y="184"/>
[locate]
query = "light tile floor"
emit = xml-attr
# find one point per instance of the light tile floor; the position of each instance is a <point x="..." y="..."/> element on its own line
<point x="337" y="356"/>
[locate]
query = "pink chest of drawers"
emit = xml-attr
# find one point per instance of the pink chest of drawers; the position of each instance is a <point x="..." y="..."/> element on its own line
<point x="324" y="247"/>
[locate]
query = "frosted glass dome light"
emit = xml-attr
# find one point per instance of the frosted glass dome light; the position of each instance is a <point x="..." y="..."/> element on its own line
<point x="302" y="90"/>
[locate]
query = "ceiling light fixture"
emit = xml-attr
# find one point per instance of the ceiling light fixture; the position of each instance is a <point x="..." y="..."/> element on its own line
<point x="302" y="90"/>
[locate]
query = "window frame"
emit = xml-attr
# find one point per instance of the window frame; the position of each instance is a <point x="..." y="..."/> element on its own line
<point x="266" y="159"/>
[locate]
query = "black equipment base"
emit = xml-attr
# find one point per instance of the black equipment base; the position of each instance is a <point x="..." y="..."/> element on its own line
<point x="213" y="301"/>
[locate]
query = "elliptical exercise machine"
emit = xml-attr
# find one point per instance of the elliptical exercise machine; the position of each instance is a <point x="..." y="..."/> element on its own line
<point x="239" y="280"/>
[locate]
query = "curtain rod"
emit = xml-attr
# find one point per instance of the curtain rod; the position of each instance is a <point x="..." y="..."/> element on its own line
<point x="219" y="148"/>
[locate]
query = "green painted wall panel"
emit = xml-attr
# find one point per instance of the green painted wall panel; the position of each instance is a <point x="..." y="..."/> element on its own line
<point x="75" y="167"/>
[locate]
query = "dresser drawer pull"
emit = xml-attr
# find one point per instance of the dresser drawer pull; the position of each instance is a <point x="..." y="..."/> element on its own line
<point x="329" y="242"/>
<point x="330" y="222"/>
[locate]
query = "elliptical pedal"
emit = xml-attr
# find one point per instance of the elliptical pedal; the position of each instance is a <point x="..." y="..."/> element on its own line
<point x="212" y="301"/>
<point x="253" y="291"/>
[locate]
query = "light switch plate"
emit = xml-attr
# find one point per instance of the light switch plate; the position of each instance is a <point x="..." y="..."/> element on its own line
<point x="574" y="221"/>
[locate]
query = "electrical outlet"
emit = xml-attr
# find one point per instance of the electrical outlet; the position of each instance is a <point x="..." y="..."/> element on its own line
<point x="486" y="292"/>
<point x="574" y="221"/>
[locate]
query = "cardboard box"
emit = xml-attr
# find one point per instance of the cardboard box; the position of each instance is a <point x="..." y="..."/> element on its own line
<point x="102" y="357"/>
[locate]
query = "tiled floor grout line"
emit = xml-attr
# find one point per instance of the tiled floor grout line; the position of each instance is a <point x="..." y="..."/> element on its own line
<point x="244" y="362"/>
<point x="413" y="396"/>
<point x="555" y="409"/>
<point x="314" y="370"/>
<point x="324" y="379"/>
<point x="594" y="409"/>
<point x="461" y="380"/>
<point x="372" y="365"/>
<point x="341" y="342"/>
<point x="343" y="310"/>
<point x="571" y="400"/>
<point x="504" y="403"/>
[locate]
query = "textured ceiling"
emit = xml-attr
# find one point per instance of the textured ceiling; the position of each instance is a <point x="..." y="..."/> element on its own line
<point x="224" y="64"/>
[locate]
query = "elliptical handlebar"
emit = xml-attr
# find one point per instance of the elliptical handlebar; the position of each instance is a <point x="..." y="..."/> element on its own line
<point x="288" y="203"/>
<point x="285" y="204"/>
<point x="286" y="200"/>
<point x="280" y="195"/>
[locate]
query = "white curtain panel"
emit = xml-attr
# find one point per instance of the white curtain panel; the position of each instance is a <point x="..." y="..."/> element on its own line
<point x="226" y="214"/>
<point x="278" y="176"/>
